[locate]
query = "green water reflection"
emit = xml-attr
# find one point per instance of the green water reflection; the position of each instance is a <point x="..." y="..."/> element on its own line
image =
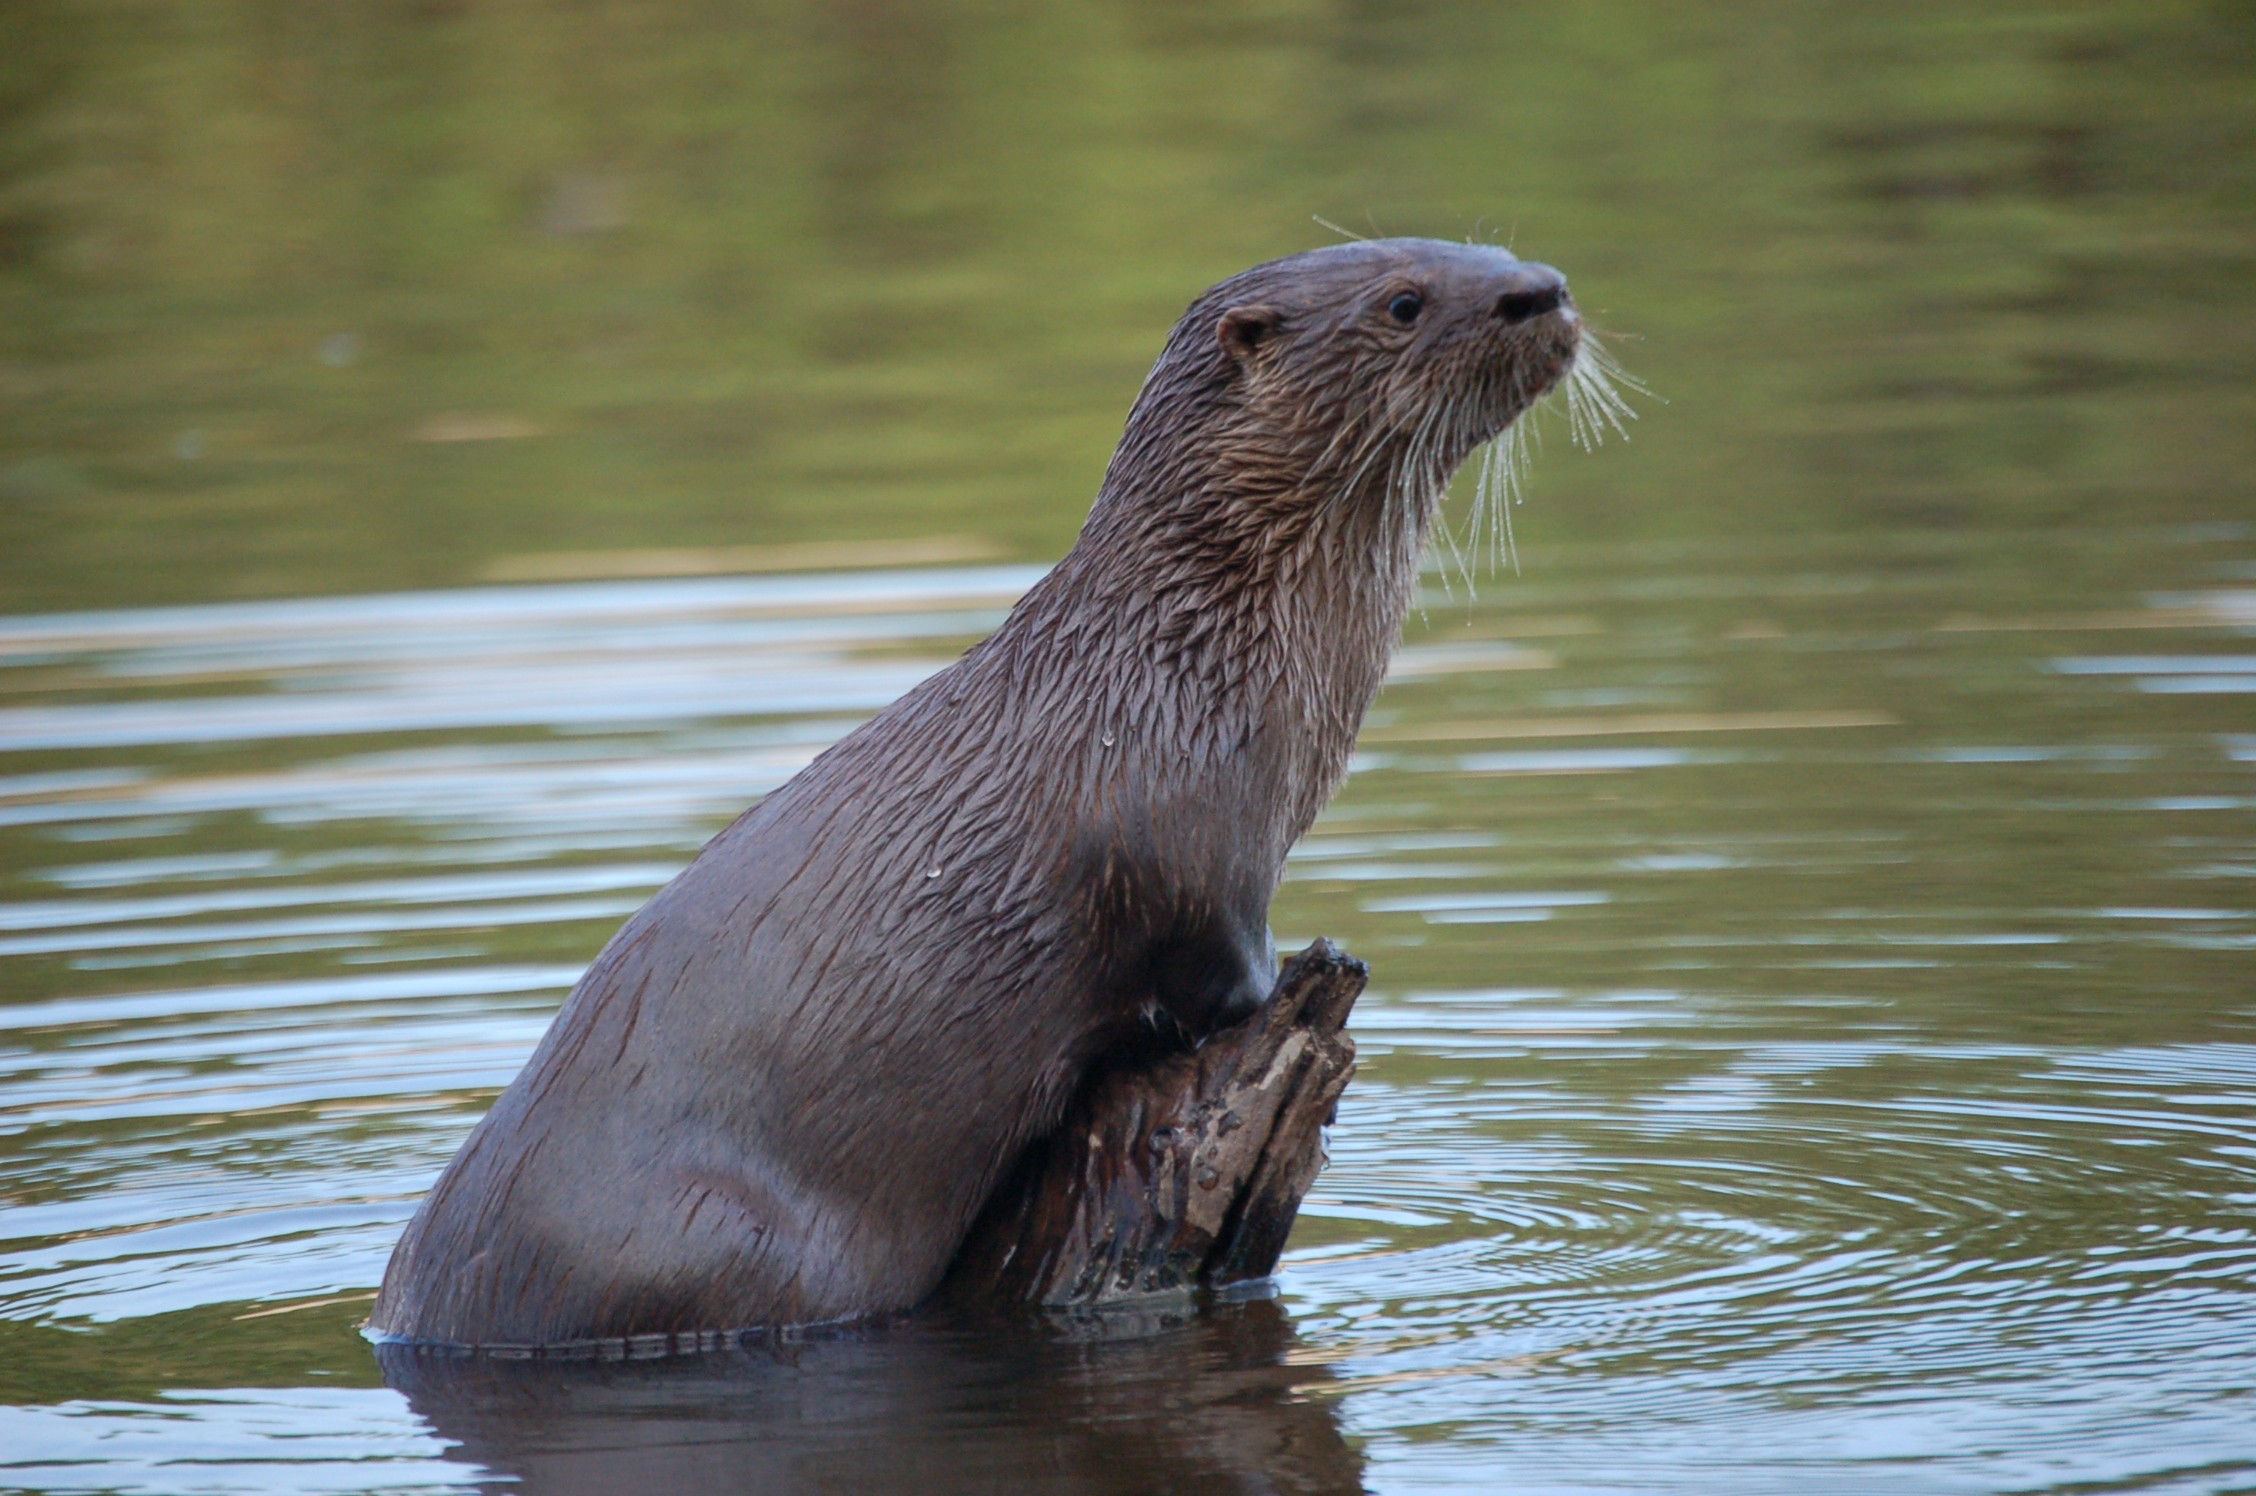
<point x="299" y="302"/>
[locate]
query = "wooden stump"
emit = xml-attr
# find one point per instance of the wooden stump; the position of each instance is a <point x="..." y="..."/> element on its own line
<point x="1182" y="1171"/>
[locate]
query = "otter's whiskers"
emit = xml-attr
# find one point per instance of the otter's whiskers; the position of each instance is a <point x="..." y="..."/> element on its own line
<point x="1592" y="392"/>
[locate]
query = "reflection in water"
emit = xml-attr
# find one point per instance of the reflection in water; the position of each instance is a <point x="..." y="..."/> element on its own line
<point x="595" y="655"/>
<point x="1727" y="1112"/>
<point x="1215" y="1402"/>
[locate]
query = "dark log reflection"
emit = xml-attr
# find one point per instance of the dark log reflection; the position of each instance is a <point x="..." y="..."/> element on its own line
<point x="1142" y="1402"/>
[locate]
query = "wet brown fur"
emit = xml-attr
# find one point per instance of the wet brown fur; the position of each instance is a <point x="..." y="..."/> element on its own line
<point x="784" y="1089"/>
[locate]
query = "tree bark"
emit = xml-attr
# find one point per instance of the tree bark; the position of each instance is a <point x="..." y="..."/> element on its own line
<point x="1179" y="1171"/>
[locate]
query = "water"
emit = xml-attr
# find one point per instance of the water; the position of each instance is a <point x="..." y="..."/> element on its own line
<point x="1814" y="1052"/>
<point x="1812" y="1037"/>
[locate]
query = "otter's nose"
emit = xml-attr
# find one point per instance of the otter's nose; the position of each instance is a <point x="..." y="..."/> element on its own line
<point x="1529" y="290"/>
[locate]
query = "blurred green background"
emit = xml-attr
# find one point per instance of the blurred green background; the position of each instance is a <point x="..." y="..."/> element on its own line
<point x="300" y="299"/>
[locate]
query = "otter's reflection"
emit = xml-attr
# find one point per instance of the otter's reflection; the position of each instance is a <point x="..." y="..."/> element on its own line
<point x="941" y="1403"/>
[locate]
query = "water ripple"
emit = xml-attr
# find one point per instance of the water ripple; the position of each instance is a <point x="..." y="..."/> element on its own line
<point x="1702" y="1116"/>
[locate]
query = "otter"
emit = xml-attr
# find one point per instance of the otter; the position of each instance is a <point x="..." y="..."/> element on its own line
<point x="785" y="1088"/>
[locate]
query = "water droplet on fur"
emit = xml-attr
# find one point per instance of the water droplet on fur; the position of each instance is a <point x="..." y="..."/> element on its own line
<point x="932" y="872"/>
<point x="1108" y="740"/>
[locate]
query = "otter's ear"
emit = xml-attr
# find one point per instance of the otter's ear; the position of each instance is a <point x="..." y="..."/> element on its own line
<point x="1244" y="328"/>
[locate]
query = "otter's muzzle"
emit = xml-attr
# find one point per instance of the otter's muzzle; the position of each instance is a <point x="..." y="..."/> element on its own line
<point x="1529" y="290"/>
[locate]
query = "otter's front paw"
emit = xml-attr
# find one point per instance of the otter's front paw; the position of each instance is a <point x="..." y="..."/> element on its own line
<point x="1210" y="985"/>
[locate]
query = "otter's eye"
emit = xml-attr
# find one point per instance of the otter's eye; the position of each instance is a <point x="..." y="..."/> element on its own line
<point x="1406" y="307"/>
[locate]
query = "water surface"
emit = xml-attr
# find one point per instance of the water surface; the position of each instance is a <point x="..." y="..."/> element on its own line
<point x="1816" y="1047"/>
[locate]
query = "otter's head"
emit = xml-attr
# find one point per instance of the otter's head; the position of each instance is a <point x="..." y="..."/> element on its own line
<point x="1351" y="380"/>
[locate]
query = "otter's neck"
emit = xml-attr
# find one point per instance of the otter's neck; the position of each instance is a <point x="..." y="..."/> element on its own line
<point x="1236" y="620"/>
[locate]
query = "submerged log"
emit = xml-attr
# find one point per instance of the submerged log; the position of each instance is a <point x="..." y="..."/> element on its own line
<point x="1178" y="1171"/>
